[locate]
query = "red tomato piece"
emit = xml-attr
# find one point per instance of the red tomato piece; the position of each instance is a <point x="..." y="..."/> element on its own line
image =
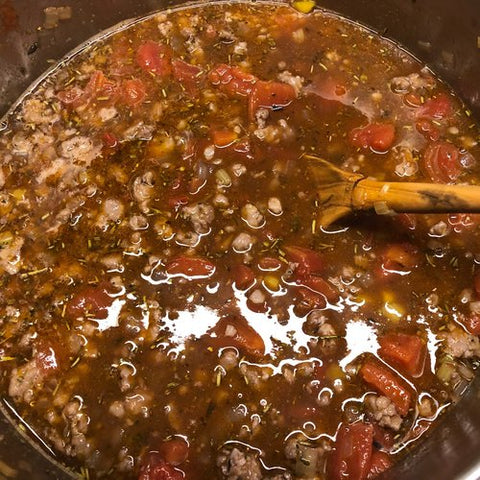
<point x="223" y="138"/>
<point x="178" y="201"/>
<point x="309" y="261"/>
<point x="378" y="137"/>
<point x="351" y="458"/>
<point x="236" y="332"/>
<point x="243" y="277"/>
<point x="310" y="300"/>
<point x="273" y="95"/>
<point x="190" y="76"/>
<point x="319" y="285"/>
<point x="154" y="467"/>
<point x="398" y="258"/>
<point x="388" y="383"/>
<point x="436" y="108"/>
<point x="441" y="161"/>
<point x="109" y="140"/>
<point x="155" y="58"/>
<point x="194" y="267"/>
<point x="270" y="264"/>
<point x="99" y="86"/>
<point x="49" y="355"/>
<point x="232" y="80"/>
<point x="91" y="301"/>
<point x="428" y="129"/>
<point x="174" y="451"/>
<point x="72" y="96"/>
<point x="408" y="352"/>
<point x="133" y="92"/>
<point x="380" y="463"/>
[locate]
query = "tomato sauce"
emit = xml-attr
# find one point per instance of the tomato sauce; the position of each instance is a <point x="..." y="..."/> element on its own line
<point x="170" y="307"/>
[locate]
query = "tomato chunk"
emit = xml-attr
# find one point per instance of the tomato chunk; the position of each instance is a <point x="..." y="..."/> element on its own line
<point x="441" y="161"/>
<point x="174" y="451"/>
<point x="353" y="451"/>
<point x="91" y="301"/>
<point x="154" y="467"/>
<point x="133" y="92"/>
<point x="243" y="277"/>
<point x="272" y="95"/>
<point x="436" y="108"/>
<point x="386" y="382"/>
<point x="232" y="80"/>
<point x="399" y="258"/>
<point x="190" y="76"/>
<point x="154" y="58"/>
<point x="378" y="137"/>
<point x="193" y="267"/>
<point x="236" y="332"/>
<point x="319" y="285"/>
<point x="309" y="261"/>
<point x="380" y="463"/>
<point x="408" y="352"/>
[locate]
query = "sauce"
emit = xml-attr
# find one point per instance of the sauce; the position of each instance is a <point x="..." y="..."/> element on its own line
<point x="170" y="308"/>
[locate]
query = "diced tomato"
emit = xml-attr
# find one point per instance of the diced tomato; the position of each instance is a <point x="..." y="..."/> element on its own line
<point x="379" y="137"/>
<point x="190" y="76"/>
<point x="412" y="100"/>
<point x="236" y="332"/>
<point x="436" y="108"/>
<point x="177" y="201"/>
<point x="309" y="301"/>
<point x="408" y="352"/>
<point x="223" y="138"/>
<point x="91" y="301"/>
<point x="133" y="92"/>
<point x="380" y="463"/>
<point x="232" y="80"/>
<point x="99" y="86"/>
<point x="273" y="95"/>
<point x="351" y="458"/>
<point x="155" y="58"/>
<point x="243" y="277"/>
<point x="193" y="267"/>
<point x="309" y="261"/>
<point x="428" y="129"/>
<point x="398" y="258"/>
<point x="72" y="96"/>
<point x="109" y="140"/>
<point x="319" y="285"/>
<point x="388" y="383"/>
<point x="269" y="264"/>
<point x="154" y="467"/>
<point x="49" y="355"/>
<point x="472" y="323"/>
<point x="441" y="161"/>
<point x="174" y="451"/>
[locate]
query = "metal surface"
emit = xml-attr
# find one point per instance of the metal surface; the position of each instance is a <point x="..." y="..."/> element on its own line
<point x="442" y="33"/>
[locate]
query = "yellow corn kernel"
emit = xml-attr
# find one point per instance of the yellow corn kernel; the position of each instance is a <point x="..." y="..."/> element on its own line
<point x="271" y="282"/>
<point x="304" y="6"/>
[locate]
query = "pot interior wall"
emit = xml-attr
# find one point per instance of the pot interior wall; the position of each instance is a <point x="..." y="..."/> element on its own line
<point x="441" y="33"/>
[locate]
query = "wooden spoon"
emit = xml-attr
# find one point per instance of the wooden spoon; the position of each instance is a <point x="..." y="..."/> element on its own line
<point x="341" y="193"/>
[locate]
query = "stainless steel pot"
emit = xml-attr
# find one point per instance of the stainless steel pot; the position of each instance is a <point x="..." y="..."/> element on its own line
<point x="441" y="33"/>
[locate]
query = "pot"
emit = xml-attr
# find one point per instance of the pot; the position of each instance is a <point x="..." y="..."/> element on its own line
<point x="441" y="33"/>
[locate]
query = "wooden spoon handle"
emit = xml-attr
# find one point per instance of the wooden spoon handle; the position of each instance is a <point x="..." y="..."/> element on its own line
<point x="415" y="197"/>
